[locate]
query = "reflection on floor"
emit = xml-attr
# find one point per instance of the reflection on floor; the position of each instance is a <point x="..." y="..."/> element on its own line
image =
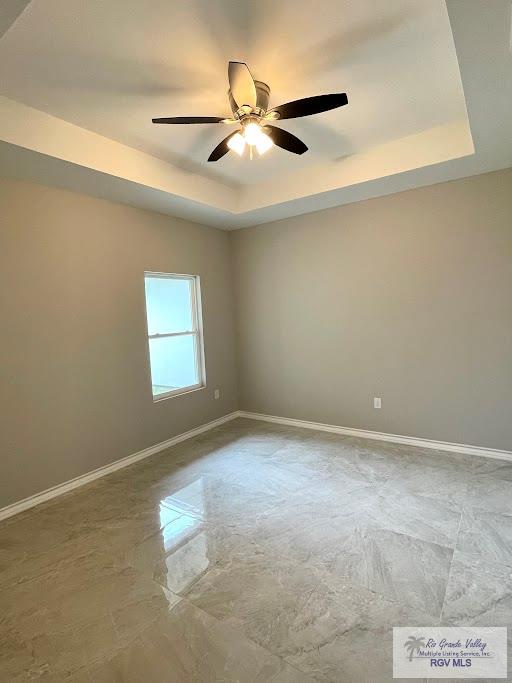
<point x="254" y="552"/>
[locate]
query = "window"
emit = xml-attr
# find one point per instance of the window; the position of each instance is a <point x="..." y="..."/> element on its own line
<point x="173" y="309"/>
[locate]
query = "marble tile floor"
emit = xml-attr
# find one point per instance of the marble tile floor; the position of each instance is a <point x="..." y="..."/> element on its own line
<point x="254" y="552"/>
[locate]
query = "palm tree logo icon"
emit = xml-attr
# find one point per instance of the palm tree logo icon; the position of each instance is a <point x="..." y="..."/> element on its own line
<point x="413" y="644"/>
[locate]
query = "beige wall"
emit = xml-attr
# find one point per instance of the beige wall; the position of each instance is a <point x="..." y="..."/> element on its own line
<point x="406" y="297"/>
<point x="75" y="389"/>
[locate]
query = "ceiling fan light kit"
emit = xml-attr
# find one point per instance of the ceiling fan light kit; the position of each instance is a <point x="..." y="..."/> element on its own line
<point x="237" y="143"/>
<point x="249" y="101"/>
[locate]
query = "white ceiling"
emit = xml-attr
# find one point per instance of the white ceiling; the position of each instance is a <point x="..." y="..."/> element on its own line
<point x="109" y="67"/>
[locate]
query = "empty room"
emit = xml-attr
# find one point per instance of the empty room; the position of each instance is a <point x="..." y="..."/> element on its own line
<point x="255" y="341"/>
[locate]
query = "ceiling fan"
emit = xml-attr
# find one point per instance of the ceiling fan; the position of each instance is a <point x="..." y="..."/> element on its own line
<point x="249" y="103"/>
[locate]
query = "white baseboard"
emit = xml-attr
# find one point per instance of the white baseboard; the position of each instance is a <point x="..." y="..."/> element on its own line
<point x="382" y="436"/>
<point x="58" y="490"/>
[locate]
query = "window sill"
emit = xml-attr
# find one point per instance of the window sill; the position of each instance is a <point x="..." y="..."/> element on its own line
<point x="178" y="392"/>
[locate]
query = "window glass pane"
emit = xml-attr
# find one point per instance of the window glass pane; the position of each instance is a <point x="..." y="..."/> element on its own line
<point x="173" y="363"/>
<point x="168" y="305"/>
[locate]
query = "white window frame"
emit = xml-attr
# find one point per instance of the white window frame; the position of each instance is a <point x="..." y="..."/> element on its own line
<point x="196" y="331"/>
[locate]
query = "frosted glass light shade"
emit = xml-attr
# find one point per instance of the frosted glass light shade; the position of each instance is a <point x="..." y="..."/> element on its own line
<point x="237" y="144"/>
<point x="252" y="133"/>
<point x="263" y="143"/>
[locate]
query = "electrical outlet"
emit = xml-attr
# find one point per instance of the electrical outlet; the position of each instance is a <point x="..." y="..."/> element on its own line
<point x="377" y="402"/>
<point x="216" y="394"/>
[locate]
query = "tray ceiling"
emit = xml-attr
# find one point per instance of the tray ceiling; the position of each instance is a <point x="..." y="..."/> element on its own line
<point x="80" y="83"/>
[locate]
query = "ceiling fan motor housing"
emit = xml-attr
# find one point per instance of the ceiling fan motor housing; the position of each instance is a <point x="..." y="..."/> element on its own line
<point x="262" y="98"/>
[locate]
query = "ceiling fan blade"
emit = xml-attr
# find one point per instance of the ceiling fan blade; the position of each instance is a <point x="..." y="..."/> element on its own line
<point x="189" y="119"/>
<point x="241" y="84"/>
<point x="310" y="105"/>
<point x="282" y="138"/>
<point x="221" y="149"/>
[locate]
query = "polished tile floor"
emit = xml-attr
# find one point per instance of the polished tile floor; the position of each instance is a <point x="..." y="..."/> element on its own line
<point x="254" y="552"/>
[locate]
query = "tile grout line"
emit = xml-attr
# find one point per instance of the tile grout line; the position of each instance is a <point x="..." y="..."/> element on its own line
<point x="231" y="627"/>
<point x="453" y="554"/>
